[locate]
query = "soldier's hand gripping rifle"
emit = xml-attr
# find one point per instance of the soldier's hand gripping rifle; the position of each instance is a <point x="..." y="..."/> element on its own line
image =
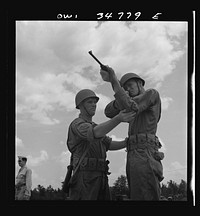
<point x="103" y="67"/>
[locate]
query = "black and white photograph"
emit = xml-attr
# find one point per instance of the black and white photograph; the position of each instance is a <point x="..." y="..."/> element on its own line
<point x="101" y="109"/>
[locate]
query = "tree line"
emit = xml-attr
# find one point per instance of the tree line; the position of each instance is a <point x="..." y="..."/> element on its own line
<point x="169" y="192"/>
<point x="119" y="191"/>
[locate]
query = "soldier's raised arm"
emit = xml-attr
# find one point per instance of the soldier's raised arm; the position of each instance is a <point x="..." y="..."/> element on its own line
<point x="122" y="102"/>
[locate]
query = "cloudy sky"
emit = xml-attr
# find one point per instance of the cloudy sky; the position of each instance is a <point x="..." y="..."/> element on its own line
<point x="53" y="64"/>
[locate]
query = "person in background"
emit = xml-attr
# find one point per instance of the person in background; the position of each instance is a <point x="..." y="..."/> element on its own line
<point x="144" y="169"/>
<point x="88" y="142"/>
<point x="23" y="181"/>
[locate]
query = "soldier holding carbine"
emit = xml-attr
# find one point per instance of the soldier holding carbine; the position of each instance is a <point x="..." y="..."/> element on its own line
<point x="144" y="168"/>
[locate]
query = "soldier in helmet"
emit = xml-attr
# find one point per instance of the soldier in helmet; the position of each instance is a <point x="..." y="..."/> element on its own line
<point x="143" y="168"/>
<point x="23" y="180"/>
<point x="86" y="138"/>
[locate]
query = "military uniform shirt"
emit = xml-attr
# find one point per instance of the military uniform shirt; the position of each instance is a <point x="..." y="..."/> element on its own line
<point x="149" y="110"/>
<point x="81" y="134"/>
<point x="87" y="185"/>
<point x="24" y="178"/>
<point x="144" y="171"/>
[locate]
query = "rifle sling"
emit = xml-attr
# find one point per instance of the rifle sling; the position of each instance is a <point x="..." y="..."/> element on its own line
<point x="81" y="159"/>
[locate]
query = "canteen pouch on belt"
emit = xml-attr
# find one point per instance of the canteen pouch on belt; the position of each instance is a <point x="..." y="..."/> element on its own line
<point x="158" y="155"/>
<point x="68" y="177"/>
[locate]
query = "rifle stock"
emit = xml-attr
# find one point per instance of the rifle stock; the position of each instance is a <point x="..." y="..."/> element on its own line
<point x="66" y="183"/>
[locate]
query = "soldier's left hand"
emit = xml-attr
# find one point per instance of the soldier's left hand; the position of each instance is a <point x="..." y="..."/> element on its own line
<point x="126" y="116"/>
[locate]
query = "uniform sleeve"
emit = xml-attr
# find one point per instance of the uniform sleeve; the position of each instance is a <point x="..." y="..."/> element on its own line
<point x="106" y="140"/>
<point x="83" y="129"/>
<point x="122" y="101"/>
<point x="138" y="103"/>
<point x="28" y="182"/>
<point x="146" y="100"/>
<point x="125" y="101"/>
<point x="112" y="109"/>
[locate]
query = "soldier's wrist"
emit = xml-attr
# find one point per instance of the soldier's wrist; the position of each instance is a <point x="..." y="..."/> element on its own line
<point x="118" y="118"/>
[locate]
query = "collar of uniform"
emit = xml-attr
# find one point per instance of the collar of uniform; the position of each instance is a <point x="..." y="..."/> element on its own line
<point x="85" y="118"/>
<point x="23" y="168"/>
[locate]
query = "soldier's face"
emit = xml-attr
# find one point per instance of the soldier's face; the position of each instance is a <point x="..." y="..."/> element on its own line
<point x="132" y="87"/>
<point x="21" y="162"/>
<point x="90" y="105"/>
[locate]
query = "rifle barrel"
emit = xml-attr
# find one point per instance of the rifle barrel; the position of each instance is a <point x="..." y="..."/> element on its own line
<point x="90" y="52"/>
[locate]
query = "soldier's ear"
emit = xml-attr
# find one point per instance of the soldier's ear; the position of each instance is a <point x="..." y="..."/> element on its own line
<point x="81" y="106"/>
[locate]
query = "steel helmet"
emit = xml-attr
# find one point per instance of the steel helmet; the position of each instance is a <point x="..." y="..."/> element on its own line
<point x="128" y="76"/>
<point x="82" y="95"/>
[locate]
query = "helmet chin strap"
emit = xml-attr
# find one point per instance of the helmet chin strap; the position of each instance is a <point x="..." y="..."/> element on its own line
<point x="86" y="110"/>
<point x="139" y="88"/>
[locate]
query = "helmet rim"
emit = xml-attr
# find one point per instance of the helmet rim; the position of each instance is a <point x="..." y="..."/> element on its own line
<point x="129" y="76"/>
<point x="84" y="94"/>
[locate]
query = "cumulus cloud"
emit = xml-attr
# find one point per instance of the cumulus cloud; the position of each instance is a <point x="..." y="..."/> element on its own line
<point x="53" y="63"/>
<point x="19" y="142"/>
<point x="64" y="157"/>
<point x="35" y="161"/>
<point x="41" y="96"/>
<point x="148" y="48"/>
<point x="166" y="102"/>
<point x="103" y="101"/>
<point x="37" y="179"/>
<point x="178" y="167"/>
<point x="115" y="175"/>
<point x="175" y="171"/>
<point x="63" y="160"/>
